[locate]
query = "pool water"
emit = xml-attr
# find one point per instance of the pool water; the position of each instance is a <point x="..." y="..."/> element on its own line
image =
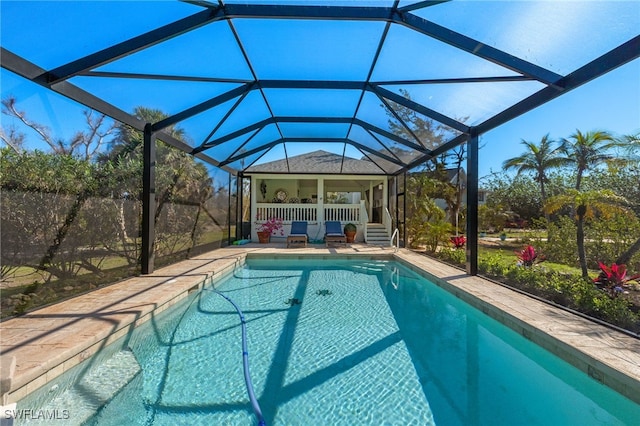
<point x="370" y="343"/>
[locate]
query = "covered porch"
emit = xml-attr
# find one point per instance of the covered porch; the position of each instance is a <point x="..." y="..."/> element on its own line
<point x="362" y="200"/>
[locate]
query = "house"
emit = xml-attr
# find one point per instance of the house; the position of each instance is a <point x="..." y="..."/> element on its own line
<point x="483" y="195"/>
<point x="313" y="187"/>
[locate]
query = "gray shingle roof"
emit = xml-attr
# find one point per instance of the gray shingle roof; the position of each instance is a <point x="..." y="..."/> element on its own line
<point x="319" y="162"/>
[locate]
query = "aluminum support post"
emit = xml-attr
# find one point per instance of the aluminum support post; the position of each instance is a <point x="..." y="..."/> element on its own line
<point x="472" y="203"/>
<point x="148" y="200"/>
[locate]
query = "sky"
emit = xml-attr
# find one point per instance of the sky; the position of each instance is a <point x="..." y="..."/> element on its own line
<point x="610" y="103"/>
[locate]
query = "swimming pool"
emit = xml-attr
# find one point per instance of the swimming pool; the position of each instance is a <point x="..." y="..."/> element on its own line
<point x="370" y="342"/>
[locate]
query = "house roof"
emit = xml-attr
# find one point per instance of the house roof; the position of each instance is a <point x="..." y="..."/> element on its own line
<point x="398" y="82"/>
<point x="317" y="162"/>
<point x="450" y="173"/>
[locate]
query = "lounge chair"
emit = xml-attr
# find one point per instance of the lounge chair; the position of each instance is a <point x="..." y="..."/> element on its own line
<point x="298" y="235"/>
<point x="333" y="233"/>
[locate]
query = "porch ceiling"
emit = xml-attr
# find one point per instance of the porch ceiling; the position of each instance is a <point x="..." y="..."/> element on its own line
<point x="389" y="82"/>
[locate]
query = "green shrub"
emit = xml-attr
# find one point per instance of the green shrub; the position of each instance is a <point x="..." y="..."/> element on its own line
<point x="561" y="244"/>
<point x="605" y="240"/>
<point x="569" y="290"/>
<point x="493" y="265"/>
<point x="454" y="256"/>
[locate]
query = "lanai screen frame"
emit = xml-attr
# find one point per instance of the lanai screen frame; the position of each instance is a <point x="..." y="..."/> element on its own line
<point x="555" y="85"/>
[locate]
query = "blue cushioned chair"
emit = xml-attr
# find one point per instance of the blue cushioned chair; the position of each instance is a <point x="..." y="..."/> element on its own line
<point x="333" y="232"/>
<point x="298" y="235"/>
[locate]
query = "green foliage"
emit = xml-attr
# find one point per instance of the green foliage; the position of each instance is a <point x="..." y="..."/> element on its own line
<point x="491" y="217"/>
<point x="520" y="195"/>
<point x="437" y="233"/>
<point x="43" y="172"/>
<point x="76" y="220"/>
<point x="453" y="256"/>
<point x="587" y="151"/>
<point x="620" y="177"/>
<point x="606" y="239"/>
<point x="561" y="243"/>
<point x="350" y="227"/>
<point x="421" y="209"/>
<point x="569" y="290"/>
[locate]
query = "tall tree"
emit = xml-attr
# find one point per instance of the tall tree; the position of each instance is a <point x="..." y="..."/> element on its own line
<point x="418" y="128"/>
<point x="539" y="159"/>
<point x="85" y="144"/>
<point x="414" y="127"/>
<point x="587" y="205"/>
<point x="631" y="144"/>
<point x="588" y="150"/>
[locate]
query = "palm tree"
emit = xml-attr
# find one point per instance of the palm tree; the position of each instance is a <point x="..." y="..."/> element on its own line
<point x="538" y="159"/>
<point x="587" y="205"/>
<point x="631" y="144"/>
<point x="588" y="150"/>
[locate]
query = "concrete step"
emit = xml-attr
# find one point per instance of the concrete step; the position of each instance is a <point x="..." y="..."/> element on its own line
<point x="377" y="234"/>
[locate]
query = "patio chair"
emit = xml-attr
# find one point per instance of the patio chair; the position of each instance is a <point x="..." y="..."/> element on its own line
<point x="333" y="233"/>
<point x="298" y="236"/>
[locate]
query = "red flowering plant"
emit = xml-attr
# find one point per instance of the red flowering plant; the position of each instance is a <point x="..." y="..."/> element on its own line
<point x="458" y="241"/>
<point x="613" y="279"/>
<point x="272" y="225"/>
<point x="528" y="257"/>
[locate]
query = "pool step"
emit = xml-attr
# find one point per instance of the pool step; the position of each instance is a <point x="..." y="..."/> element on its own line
<point x="94" y="388"/>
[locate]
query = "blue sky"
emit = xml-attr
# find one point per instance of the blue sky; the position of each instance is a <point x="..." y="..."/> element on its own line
<point x="610" y="103"/>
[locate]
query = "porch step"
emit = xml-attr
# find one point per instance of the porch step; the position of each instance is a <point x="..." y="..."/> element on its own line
<point x="377" y="234"/>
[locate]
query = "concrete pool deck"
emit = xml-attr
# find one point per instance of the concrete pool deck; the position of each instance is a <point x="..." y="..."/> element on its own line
<point x="49" y="341"/>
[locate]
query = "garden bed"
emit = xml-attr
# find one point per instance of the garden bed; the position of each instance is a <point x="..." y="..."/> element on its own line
<point x="556" y="283"/>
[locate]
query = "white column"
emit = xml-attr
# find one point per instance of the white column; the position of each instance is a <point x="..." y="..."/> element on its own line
<point x="370" y="201"/>
<point x="385" y="196"/>
<point x="254" y="208"/>
<point x="320" y="201"/>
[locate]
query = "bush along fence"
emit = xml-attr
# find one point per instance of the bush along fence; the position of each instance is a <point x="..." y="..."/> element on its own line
<point x="599" y="298"/>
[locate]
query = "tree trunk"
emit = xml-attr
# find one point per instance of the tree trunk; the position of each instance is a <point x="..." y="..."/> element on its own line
<point x="543" y="194"/>
<point x="582" y="254"/>
<point x="122" y="222"/>
<point x="625" y="257"/>
<point x="579" y="179"/>
<point x="47" y="260"/>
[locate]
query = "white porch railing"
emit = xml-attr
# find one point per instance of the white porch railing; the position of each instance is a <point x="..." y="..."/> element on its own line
<point x="309" y="212"/>
<point x="287" y="212"/>
<point x="365" y="218"/>
<point x="387" y="221"/>
<point x="342" y="212"/>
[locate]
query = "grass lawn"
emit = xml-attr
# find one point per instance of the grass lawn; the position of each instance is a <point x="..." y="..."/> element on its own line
<point x="507" y="249"/>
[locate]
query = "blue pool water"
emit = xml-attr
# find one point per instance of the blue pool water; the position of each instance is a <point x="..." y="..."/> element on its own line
<point x="370" y="343"/>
